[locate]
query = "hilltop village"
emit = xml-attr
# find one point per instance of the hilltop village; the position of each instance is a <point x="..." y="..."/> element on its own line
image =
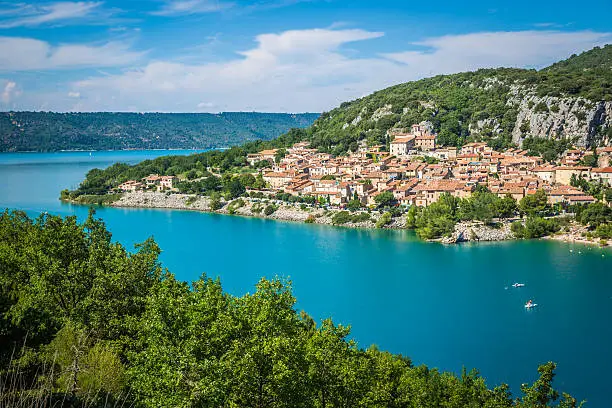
<point x="415" y="171"/>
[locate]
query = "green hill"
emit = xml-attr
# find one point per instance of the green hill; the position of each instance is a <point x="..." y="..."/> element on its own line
<point x="47" y="131"/>
<point x="565" y="100"/>
<point x="504" y="107"/>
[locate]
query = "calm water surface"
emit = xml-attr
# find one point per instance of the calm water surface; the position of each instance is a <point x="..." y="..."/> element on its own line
<point x="444" y="306"/>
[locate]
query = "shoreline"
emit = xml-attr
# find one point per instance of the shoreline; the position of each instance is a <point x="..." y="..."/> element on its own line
<point x="469" y="231"/>
<point x="284" y="212"/>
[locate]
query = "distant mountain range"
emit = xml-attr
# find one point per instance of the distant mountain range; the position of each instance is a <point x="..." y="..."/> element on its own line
<point x="571" y="99"/>
<point x="47" y="131"/>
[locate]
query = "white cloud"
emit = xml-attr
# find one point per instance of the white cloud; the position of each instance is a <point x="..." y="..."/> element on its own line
<point x="22" y="54"/>
<point x="205" y="105"/>
<point x="48" y="13"/>
<point x="182" y="7"/>
<point x="495" y="49"/>
<point x="10" y="90"/>
<point x="74" y="94"/>
<point x="306" y="70"/>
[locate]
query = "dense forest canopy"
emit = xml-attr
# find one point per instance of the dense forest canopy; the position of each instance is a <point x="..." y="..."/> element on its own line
<point x="47" y="131"/>
<point x="85" y="322"/>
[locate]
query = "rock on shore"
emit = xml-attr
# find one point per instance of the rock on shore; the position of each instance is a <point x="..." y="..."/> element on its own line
<point x="477" y="231"/>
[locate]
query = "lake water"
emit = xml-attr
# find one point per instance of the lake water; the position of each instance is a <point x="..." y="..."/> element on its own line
<point x="444" y="306"/>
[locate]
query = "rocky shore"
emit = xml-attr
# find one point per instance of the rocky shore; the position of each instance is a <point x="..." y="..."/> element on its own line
<point x="477" y="231"/>
<point x="472" y="231"/>
<point x="250" y="208"/>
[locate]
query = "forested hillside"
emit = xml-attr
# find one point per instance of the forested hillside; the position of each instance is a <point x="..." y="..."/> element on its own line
<point x="86" y="323"/>
<point x="47" y="131"/>
<point x="571" y="99"/>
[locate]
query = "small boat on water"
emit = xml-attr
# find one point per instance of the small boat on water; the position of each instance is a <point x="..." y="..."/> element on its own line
<point x="518" y="285"/>
<point x="530" y="305"/>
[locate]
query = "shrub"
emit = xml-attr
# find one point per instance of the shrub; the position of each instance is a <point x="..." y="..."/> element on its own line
<point x="234" y="205"/>
<point x="97" y="199"/>
<point x="215" y="202"/>
<point x="341" y="217"/>
<point x="385" y="219"/>
<point x="541" y="107"/>
<point x="535" y="227"/>
<point x="362" y="217"/>
<point x="353" y="205"/>
<point x="604" y="231"/>
<point x="270" y="209"/>
<point x="310" y="219"/>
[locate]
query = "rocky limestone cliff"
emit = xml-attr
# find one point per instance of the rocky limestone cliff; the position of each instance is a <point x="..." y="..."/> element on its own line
<point x="579" y="119"/>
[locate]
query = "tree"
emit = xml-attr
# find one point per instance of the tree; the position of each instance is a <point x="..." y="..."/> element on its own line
<point x="353" y="205"/>
<point x="247" y="179"/>
<point x="234" y="188"/>
<point x="384" y="220"/>
<point x="385" y="199"/>
<point x="541" y="393"/>
<point x="506" y="207"/>
<point x="480" y="206"/>
<point x="215" y="201"/>
<point x="595" y="214"/>
<point x="535" y="204"/>
<point x="259" y="182"/>
<point x="280" y="154"/>
<point x="267" y="367"/>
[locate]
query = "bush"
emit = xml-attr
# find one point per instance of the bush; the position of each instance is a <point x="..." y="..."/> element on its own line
<point x="215" y="202"/>
<point x="310" y="219"/>
<point x="581" y="116"/>
<point x="362" y="217"/>
<point x="604" y="231"/>
<point x="541" y="108"/>
<point x="270" y="209"/>
<point x="385" y="219"/>
<point x="535" y="227"/>
<point x="341" y="217"/>
<point x="234" y="205"/>
<point x="97" y="199"/>
<point x="353" y="205"/>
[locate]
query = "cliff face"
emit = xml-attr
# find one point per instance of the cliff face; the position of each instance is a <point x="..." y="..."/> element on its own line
<point x="551" y="117"/>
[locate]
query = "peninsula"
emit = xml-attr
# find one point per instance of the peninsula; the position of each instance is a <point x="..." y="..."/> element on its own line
<point x="457" y="157"/>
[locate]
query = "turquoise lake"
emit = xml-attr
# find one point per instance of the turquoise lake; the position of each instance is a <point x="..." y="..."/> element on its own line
<point x="444" y="306"/>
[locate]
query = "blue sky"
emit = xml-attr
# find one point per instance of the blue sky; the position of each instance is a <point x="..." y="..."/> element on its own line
<point x="267" y="55"/>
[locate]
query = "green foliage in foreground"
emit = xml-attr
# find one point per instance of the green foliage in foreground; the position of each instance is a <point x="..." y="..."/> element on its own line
<point x="86" y="323"/>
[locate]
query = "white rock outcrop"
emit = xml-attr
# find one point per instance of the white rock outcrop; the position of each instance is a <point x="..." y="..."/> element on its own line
<point x="577" y="118"/>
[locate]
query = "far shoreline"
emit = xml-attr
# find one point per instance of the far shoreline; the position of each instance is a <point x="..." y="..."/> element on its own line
<point x="118" y="150"/>
<point x="479" y="233"/>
